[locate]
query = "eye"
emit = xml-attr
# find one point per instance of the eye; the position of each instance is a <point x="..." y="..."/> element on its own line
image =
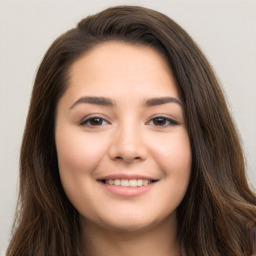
<point x="94" y="121"/>
<point x="162" y="121"/>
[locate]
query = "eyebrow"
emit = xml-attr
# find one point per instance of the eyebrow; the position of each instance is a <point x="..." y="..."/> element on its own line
<point x="162" y="100"/>
<point x="102" y="101"/>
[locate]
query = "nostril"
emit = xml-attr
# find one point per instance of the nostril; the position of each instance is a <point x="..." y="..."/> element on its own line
<point x="127" y="152"/>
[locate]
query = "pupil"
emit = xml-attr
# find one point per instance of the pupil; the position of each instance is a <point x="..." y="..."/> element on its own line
<point x="96" y="121"/>
<point x="159" y="121"/>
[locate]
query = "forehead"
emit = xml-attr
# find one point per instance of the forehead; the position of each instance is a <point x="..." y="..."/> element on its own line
<point x="115" y="67"/>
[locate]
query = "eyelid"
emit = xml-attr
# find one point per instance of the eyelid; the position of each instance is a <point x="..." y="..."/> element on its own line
<point x="93" y="116"/>
<point x="168" y="118"/>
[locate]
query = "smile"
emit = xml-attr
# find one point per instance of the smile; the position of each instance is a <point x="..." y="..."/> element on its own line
<point x="123" y="185"/>
<point x="128" y="182"/>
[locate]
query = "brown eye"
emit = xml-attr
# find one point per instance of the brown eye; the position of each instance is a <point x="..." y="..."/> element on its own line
<point x="162" y="121"/>
<point x="93" y="121"/>
<point x="159" y="121"/>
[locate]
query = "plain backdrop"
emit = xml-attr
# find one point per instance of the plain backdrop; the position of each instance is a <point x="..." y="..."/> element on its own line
<point x="225" y="30"/>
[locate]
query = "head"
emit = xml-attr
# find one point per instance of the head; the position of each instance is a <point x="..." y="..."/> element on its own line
<point x="217" y="169"/>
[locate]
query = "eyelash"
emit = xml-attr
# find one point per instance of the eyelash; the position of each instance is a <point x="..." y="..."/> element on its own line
<point x="170" y="121"/>
<point x="87" y="121"/>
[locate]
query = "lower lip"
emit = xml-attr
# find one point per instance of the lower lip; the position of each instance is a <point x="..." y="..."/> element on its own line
<point x="127" y="191"/>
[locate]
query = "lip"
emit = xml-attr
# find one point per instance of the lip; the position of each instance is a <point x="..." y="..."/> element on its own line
<point x="126" y="191"/>
<point x="126" y="176"/>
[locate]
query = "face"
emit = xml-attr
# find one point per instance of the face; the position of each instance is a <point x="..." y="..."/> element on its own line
<point x="123" y="150"/>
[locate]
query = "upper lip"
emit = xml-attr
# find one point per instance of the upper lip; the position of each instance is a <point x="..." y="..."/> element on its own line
<point x="126" y="176"/>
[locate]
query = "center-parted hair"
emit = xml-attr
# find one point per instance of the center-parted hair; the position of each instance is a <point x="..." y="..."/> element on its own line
<point x="218" y="210"/>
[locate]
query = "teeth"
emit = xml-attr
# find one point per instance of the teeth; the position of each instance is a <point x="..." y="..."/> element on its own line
<point x="128" y="183"/>
<point x="117" y="182"/>
<point x="133" y="183"/>
<point x="145" y="182"/>
<point x="139" y="183"/>
<point x="125" y="183"/>
<point x="111" y="182"/>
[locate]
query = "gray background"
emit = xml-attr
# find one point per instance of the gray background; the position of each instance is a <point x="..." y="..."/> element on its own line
<point x="224" y="29"/>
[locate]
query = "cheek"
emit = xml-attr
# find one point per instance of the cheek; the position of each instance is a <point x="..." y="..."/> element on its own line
<point x="78" y="152"/>
<point x="174" y="158"/>
<point x="78" y="157"/>
<point x="173" y="154"/>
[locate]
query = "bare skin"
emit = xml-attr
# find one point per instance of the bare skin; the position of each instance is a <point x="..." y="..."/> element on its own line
<point x="121" y="122"/>
<point x="116" y="243"/>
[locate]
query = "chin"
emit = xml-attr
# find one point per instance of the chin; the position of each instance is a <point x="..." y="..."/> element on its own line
<point x="132" y="224"/>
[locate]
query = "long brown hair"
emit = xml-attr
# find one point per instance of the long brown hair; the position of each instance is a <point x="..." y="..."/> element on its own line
<point x="218" y="210"/>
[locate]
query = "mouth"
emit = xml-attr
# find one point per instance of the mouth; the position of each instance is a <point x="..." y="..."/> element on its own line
<point x="128" y="182"/>
<point x="127" y="185"/>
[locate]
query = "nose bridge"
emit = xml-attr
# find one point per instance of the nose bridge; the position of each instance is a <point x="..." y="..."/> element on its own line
<point x="128" y="143"/>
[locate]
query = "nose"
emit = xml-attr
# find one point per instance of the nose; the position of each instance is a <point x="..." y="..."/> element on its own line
<point x="128" y="146"/>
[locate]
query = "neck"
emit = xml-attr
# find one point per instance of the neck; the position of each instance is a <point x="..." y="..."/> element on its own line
<point x="160" y="240"/>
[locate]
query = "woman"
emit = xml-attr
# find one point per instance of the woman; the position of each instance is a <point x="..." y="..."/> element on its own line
<point x="129" y="148"/>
